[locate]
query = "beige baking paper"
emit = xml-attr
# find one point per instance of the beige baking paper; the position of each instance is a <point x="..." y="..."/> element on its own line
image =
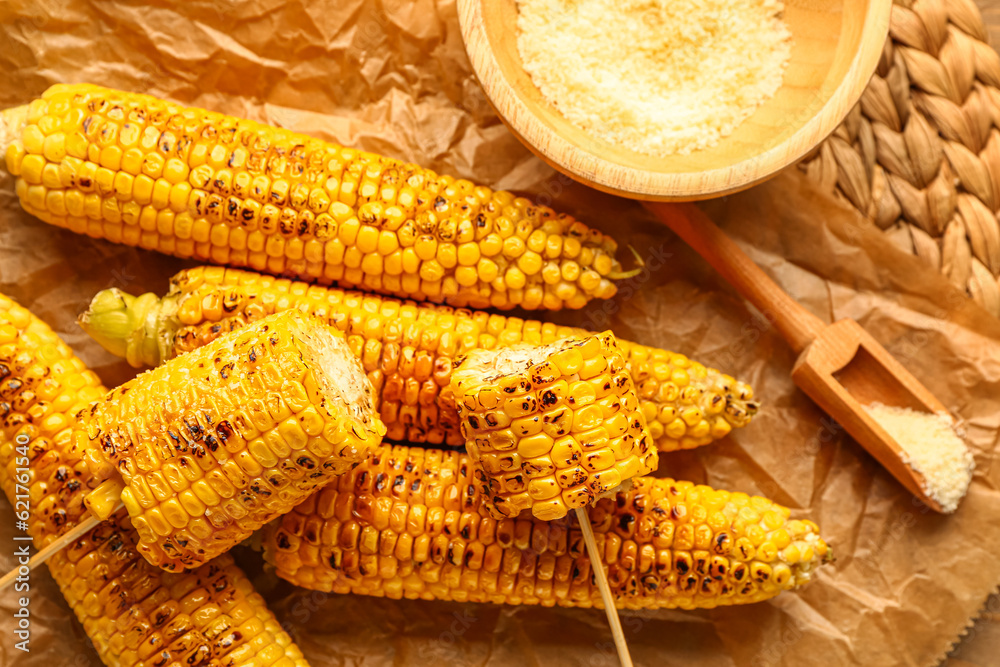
<point x="391" y="76"/>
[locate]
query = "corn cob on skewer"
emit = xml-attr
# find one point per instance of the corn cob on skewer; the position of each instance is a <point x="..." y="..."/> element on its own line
<point x="551" y="427"/>
<point x="192" y="183"/>
<point x="135" y="614"/>
<point x="408" y="350"/>
<point x="409" y="523"/>
<point x="206" y="449"/>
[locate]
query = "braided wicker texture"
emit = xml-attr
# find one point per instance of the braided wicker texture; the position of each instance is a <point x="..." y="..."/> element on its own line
<point x="919" y="155"/>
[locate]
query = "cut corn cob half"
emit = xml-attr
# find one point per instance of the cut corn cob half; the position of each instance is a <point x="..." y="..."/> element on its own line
<point x="209" y="447"/>
<point x="136" y="615"/>
<point x="407" y="349"/>
<point x="553" y="427"/>
<point x="410" y="523"/>
<point x="136" y="170"/>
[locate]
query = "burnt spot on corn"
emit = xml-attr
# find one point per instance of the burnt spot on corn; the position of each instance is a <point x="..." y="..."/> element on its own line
<point x="194" y="429"/>
<point x="282" y="541"/>
<point x="224" y="430"/>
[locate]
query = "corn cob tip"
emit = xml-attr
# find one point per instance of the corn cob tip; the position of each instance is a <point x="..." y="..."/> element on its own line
<point x="622" y="274"/>
<point x="12" y="122"/>
<point x="138" y="328"/>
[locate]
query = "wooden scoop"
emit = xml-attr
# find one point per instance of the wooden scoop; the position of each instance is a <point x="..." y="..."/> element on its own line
<point x="840" y="366"/>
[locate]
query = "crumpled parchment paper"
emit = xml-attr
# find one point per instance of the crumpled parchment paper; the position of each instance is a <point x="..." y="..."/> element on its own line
<point x="392" y="76"/>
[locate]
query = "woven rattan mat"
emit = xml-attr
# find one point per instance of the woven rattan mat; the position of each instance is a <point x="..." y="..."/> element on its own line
<point x="919" y="157"/>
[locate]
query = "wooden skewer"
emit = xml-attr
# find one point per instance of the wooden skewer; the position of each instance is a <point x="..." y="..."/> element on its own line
<point x="54" y="547"/>
<point x="602" y="583"/>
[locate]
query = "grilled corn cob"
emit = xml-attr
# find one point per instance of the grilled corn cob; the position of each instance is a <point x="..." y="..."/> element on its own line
<point x="408" y="350"/>
<point x="192" y="183"/>
<point x="206" y="449"/>
<point x="553" y="427"/>
<point x="409" y="523"/>
<point x="136" y="614"/>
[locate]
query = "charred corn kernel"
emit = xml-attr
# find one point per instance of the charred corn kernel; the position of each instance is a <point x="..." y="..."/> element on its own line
<point x="378" y="204"/>
<point x="214" y="410"/>
<point x="467" y="560"/>
<point x="400" y="330"/>
<point x="110" y="587"/>
<point x="544" y="382"/>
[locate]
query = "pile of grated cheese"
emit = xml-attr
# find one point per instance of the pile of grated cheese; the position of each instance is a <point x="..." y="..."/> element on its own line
<point x="932" y="448"/>
<point x="659" y="77"/>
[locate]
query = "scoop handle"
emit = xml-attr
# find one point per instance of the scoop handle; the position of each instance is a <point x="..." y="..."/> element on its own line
<point x="797" y="325"/>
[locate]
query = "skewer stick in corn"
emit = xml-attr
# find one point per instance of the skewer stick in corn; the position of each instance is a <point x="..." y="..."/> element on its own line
<point x="554" y="427"/>
<point x="208" y="448"/>
<point x="408" y="350"/>
<point x="193" y="183"/>
<point x="601" y="577"/>
<point x="52" y="548"/>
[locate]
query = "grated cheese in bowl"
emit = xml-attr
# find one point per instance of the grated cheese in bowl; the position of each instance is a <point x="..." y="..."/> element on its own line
<point x="932" y="448"/>
<point x="659" y="77"/>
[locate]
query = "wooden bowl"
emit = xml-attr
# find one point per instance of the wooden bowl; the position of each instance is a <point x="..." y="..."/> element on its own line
<point x="837" y="44"/>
